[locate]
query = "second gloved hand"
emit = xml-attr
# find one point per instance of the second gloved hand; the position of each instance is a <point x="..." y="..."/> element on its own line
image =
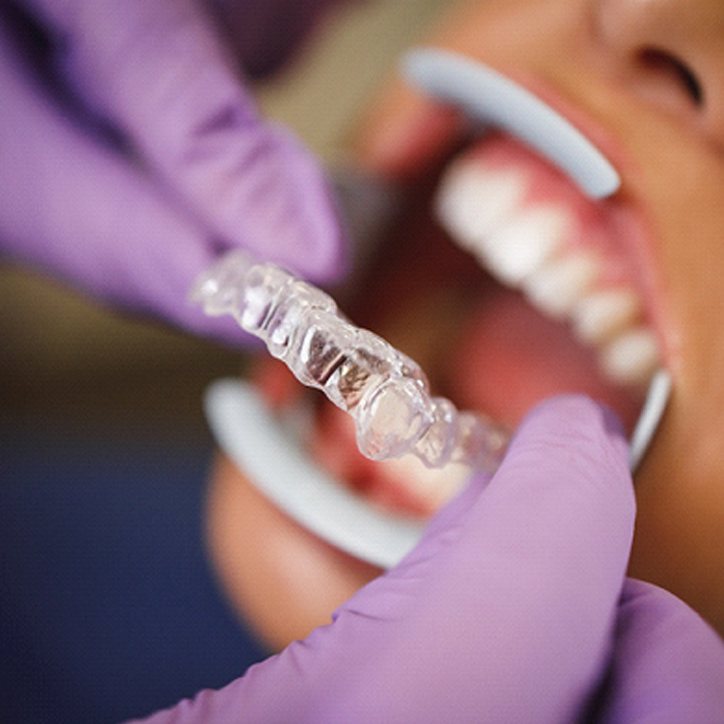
<point x="196" y="170"/>
<point x="513" y="608"/>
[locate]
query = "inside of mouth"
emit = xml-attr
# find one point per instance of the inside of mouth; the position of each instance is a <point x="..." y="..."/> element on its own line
<point x="481" y="344"/>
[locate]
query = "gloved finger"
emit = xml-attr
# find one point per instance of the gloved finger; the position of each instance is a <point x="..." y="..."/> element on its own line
<point x="525" y="592"/>
<point x="73" y="207"/>
<point x="668" y="664"/>
<point x="157" y="69"/>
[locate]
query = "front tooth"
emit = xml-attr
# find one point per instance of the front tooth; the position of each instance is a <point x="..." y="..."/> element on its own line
<point x="435" y="485"/>
<point x="632" y="357"/>
<point x="560" y="284"/>
<point x="472" y="201"/>
<point x="600" y="315"/>
<point x="521" y="246"/>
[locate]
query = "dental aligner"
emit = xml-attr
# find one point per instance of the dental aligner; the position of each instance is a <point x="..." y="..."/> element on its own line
<point x="385" y="392"/>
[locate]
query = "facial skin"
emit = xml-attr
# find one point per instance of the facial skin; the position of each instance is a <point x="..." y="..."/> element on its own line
<point x="645" y="80"/>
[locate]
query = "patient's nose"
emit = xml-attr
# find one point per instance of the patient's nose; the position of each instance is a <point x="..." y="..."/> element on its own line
<point x="671" y="53"/>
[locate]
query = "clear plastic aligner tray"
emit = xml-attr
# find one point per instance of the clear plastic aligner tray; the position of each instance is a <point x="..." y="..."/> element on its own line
<point x="384" y="391"/>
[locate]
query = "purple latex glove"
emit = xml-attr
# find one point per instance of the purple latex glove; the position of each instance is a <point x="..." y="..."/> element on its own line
<point x="513" y="608"/>
<point x="197" y="171"/>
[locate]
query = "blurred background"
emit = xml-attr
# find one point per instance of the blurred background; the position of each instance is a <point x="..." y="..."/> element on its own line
<point x="108" y="607"/>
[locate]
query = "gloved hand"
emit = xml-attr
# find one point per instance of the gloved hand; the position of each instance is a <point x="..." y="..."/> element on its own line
<point x="513" y="608"/>
<point x="132" y="152"/>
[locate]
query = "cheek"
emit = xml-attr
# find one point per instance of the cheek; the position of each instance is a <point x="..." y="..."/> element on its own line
<point x="687" y="207"/>
<point x="282" y="581"/>
<point x="680" y="538"/>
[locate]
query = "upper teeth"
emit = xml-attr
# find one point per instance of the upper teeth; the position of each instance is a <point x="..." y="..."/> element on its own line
<point x="558" y="287"/>
<point x="509" y="249"/>
<point x="528" y="246"/>
<point x="600" y="315"/>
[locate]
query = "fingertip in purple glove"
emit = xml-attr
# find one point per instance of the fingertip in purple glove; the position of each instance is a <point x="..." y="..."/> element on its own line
<point x="668" y="664"/>
<point x="206" y="171"/>
<point x="507" y="611"/>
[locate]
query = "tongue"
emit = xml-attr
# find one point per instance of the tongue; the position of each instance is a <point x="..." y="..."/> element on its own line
<point x="508" y="357"/>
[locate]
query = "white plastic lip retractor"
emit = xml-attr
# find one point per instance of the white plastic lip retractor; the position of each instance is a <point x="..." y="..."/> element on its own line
<point x="494" y="100"/>
<point x="655" y="403"/>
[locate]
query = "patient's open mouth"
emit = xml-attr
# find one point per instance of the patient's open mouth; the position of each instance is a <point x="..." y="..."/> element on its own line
<point x="525" y="289"/>
<point x="507" y="283"/>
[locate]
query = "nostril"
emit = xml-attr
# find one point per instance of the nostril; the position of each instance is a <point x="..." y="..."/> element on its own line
<point x="665" y="64"/>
